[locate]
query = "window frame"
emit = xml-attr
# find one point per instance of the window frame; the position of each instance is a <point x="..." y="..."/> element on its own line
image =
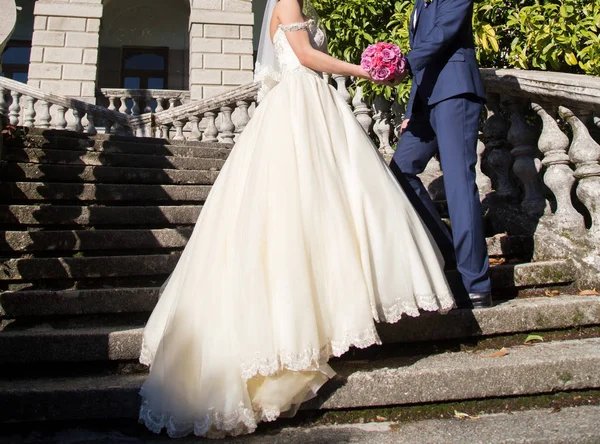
<point x="144" y="74"/>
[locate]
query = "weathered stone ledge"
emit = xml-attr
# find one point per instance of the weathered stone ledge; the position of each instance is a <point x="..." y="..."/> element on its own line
<point x="525" y="370"/>
<point x="44" y="343"/>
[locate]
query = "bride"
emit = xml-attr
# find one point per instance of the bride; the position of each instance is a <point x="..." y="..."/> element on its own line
<point x="305" y="242"/>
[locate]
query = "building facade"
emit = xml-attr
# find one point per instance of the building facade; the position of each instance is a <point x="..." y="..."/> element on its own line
<point x="82" y="48"/>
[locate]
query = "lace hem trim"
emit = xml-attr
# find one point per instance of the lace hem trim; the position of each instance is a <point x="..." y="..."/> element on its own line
<point x="244" y="420"/>
<point x="212" y="425"/>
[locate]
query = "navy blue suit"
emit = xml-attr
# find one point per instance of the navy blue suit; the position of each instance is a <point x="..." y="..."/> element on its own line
<point x="446" y="99"/>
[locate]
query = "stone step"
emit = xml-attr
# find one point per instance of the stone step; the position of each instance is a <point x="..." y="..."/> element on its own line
<point x="33" y="269"/>
<point x="132" y="146"/>
<point x="87" y="215"/>
<point x="49" y="173"/>
<point x="524" y="370"/>
<point x="36" y="269"/>
<point x="126" y="239"/>
<point x="77" y="302"/>
<point x="40" y="191"/>
<point x="80" y="341"/>
<point x="87" y="240"/>
<point x="94" y="158"/>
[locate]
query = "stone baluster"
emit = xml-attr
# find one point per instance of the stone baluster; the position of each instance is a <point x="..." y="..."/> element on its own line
<point x="242" y="116"/>
<point x="14" y="110"/>
<point x="497" y="161"/>
<point x="211" y="132"/>
<point x="165" y="131"/>
<point x="148" y="105"/>
<point x="361" y="110"/>
<point x="135" y="107"/>
<point x="585" y="154"/>
<point x="3" y="103"/>
<point x="341" y="87"/>
<point x="398" y="111"/>
<point x="558" y="177"/>
<point x="61" y="121"/>
<point x="29" y="111"/>
<point x="523" y="138"/>
<point x="382" y="127"/>
<point x="112" y="105"/>
<point x="77" y="124"/>
<point x="91" y="126"/>
<point x="227" y="127"/>
<point x="195" y="133"/>
<point x="172" y="102"/>
<point x="160" y="101"/>
<point x="179" y="124"/>
<point x="123" y="108"/>
<point x="44" y="116"/>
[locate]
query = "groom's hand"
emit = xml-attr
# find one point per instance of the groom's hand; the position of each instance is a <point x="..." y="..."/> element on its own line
<point x="398" y="79"/>
<point x="395" y="82"/>
<point x="404" y="126"/>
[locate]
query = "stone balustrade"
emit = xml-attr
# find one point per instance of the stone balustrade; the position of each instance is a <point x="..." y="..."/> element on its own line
<point x="23" y="105"/>
<point x="539" y="159"/>
<point x="139" y="101"/>
<point x="218" y="119"/>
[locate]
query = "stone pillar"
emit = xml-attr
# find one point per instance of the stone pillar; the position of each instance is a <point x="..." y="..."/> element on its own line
<point x="64" y="49"/>
<point x="220" y="46"/>
<point x="8" y="20"/>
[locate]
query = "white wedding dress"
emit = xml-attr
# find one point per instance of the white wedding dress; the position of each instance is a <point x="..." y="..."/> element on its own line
<point x="305" y="241"/>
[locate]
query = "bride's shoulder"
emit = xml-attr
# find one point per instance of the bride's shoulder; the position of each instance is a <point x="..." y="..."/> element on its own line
<point x="286" y="9"/>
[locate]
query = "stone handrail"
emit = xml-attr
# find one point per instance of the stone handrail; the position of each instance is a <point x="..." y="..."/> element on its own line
<point x="31" y="107"/>
<point x="140" y="101"/>
<point x="572" y="90"/>
<point x="219" y="118"/>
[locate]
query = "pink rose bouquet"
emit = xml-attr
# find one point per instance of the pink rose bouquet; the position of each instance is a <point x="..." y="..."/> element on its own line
<point x="384" y="61"/>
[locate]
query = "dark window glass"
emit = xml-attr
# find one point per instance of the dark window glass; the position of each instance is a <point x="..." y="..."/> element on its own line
<point x="15" y="60"/>
<point x="16" y="55"/>
<point x="145" y="61"/>
<point x="156" y="83"/>
<point x="132" y="83"/>
<point x="144" y="68"/>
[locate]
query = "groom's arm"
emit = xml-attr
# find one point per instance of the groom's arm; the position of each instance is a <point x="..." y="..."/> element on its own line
<point x="450" y="17"/>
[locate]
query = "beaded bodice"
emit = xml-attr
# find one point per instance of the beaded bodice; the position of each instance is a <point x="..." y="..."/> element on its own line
<point x="283" y="51"/>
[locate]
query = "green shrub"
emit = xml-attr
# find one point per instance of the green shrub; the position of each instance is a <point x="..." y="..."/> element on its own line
<point x="557" y="35"/>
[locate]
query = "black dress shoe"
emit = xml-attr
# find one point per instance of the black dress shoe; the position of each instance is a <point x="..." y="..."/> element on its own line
<point x="481" y="300"/>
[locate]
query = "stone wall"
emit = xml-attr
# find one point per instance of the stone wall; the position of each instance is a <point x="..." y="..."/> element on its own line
<point x="64" y="53"/>
<point x="221" y="46"/>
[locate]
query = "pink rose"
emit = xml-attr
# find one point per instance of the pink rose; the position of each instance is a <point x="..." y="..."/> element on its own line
<point x="388" y="55"/>
<point x="366" y="64"/>
<point x="370" y="51"/>
<point x="402" y="63"/>
<point x="381" y="73"/>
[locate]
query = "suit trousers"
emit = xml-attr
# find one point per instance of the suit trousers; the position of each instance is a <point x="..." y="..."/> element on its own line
<point x="449" y="128"/>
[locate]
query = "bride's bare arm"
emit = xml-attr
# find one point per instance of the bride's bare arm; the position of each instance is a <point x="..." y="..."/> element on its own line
<point x="287" y="12"/>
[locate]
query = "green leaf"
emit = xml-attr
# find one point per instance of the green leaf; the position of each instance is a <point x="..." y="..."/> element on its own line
<point x="533" y="338"/>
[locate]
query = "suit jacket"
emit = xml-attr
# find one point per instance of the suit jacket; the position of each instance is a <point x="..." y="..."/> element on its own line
<point x="442" y="57"/>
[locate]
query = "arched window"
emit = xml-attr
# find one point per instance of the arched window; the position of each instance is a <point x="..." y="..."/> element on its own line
<point x="144" y="68"/>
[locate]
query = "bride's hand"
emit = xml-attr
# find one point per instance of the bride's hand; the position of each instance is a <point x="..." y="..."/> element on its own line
<point x="395" y="82"/>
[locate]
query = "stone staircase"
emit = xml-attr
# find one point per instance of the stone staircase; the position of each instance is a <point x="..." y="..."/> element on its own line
<point x="92" y="226"/>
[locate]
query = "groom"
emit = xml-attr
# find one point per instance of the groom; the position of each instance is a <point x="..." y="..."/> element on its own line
<point x="442" y="116"/>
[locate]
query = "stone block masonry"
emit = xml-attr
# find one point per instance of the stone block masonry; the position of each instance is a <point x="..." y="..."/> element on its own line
<point x="221" y="50"/>
<point x="65" y="47"/>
